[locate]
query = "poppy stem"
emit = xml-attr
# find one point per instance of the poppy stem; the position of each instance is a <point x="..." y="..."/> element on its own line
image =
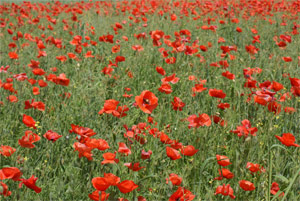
<point x="291" y="184"/>
<point x="270" y="176"/>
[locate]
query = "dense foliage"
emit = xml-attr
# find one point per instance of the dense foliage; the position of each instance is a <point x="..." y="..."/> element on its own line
<point x="150" y="100"/>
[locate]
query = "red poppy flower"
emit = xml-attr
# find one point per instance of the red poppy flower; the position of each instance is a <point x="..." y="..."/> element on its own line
<point x="224" y="64"/>
<point x="35" y="91"/>
<point x="198" y="88"/>
<point x="40" y="44"/>
<point x="7" y="150"/>
<point x="31" y="81"/>
<point x="223" y="106"/>
<point x="192" y="78"/>
<point x="256" y="39"/>
<point x="72" y="55"/>
<point x="28" y="121"/>
<point x="246" y="185"/>
<point x="164" y="138"/>
<point x="245" y="129"/>
<point x="275" y="188"/>
<point x="202" y="120"/>
<point x="295" y="91"/>
<point x="251" y="49"/>
<point x="124" y="149"/>
<point x="223" y="160"/>
<point x="112" y="179"/>
<point x="214" y="64"/>
<point x="4" y="69"/>
<point x="219" y="120"/>
<point x="295" y="82"/>
<point x="37" y="105"/>
<point x="83" y="150"/>
<point x="125" y="38"/>
<point x="217" y="93"/>
<point x="146" y="155"/>
<point x="288" y="139"/>
<point x="19" y="77"/>
<point x="281" y="44"/>
<point x="50" y="77"/>
<point x="89" y="54"/>
<point x="227" y="49"/>
<point x="177" y="104"/>
<point x="13" y="55"/>
<point x="107" y="71"/>
<point x="107" y="38"/>
<point x="225" y="173"/>
<point x="156" y="36"/>
<point x="95" y="196"/>
<point x="126" y="186"/>
<point x="173" y="17"/>
<point x="160" y="70"/>
<point x="175" y="179"/>
<point x="147" y="101"/>
<point x="109" y="106"/>
<point x="172" y="78"/>
<point x="117" y="112"/>
<point x="5" y="192"/>
<point x="30" y="183"/>
<point x="42" y="83"/>
<point x="10" y="173"/>
<point x="134" y="167"/>
<point x="221" y="39"/>
<point x="182" y="194"/>
<point x="61" y="80"/>
<point x="115" y="49"/>
<point x="254" y="167"/>
<point x="276" y="86"/>
<point x="262" y="99"/>
<point x="165" y="88"/>
<point x="84" y="132"/>
<point x="127" y="95"/>
<point x="38" y="71"/>
<point x="100" y="183"/>
<point x="42" y="54"/>
<point x="137" y="48"/>
<point x="28" y="139"/>
<point x="8" y="86"/>
<point x="228" y="75"/>
<point x="173" y="154"/>
<point x="289" y="110"/>
<point x="141" y="198"/>
<point x="35" y="64"/>
<point x="52" y="136"/>
<point x="99" y="144"/>
<point x="274" y="107"/>
<point x="225" y="190"/>
<point x="109" y="158"/>
<point x="12" y="99"/>
<point x="170" y="60"/>
<point x="119" y="59"/>
<point x="189" y="150"/>
<point x="61" y="58"/>
<point x="238" y="29"/>
<point x="286" y="38"/>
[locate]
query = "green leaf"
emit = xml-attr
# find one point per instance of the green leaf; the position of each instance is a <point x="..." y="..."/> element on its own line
<point x="282" y="178"/>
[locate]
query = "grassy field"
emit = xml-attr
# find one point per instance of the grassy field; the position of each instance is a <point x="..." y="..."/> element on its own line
<point x="150" y="100"/>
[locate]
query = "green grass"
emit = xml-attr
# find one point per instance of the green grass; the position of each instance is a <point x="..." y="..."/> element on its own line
<point x="63" y="176"/>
